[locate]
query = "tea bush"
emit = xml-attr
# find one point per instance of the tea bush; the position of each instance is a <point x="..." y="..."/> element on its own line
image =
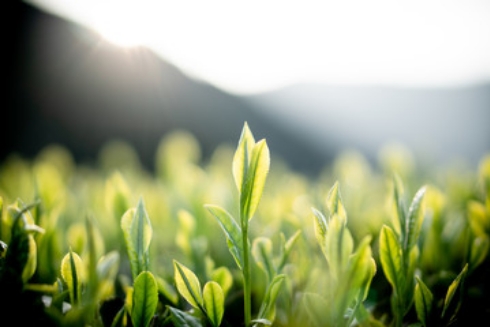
<point x="242" y="240"/>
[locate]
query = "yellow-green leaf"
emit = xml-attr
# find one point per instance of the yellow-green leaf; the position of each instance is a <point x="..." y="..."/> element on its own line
<point x="267" y="309"/>
<point x="214" y="302"/>
<point x="255" y="180"/>
<point x="232" y="231"/>
<point x="390" y="254"/>
<point x="241" y="159"/>
<point x="145" y="299"/>
<point x="423" y="301"/>
<point x="415" y="219"/>
<point x="334" y="203"/>
<point x="138" y="232"/>
<point x="223" y="277"/>
<point x="73" y="273"/>
<point x="188" y="285"/>
<point x="453" y="288"/>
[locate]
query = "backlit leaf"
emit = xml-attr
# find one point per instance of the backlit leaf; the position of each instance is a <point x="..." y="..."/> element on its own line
<point x="423" y="301"/>
<point x="138" y="232"/>
<point x="145" y="299"/>
<point x="241" y="159"/>
<point x="254" y="180"/>
<point x="390" y="254"/>
<point x="214" y="302"/>
<point x="232" y="231"/>
<point x="267" y="309"/>
<point x="262" y="253"/>
<point x="188" y="285"/>
<point x="183" y="319"/>
<point x="223" y="277"/>
<point x="414" y="219"/>
<point x="334" y="203"/>
<point x="73" y="273"/>
<point x="453" y="288"/>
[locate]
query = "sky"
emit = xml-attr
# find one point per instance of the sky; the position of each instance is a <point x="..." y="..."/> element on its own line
<point x="249" y="47"/>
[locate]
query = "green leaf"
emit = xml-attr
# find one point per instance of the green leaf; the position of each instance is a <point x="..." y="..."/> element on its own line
<point x="224" y="278"/>
<point x="414" y="220"/>
<point x="107" y="270"/>
<point x="286" y="249"/>
<point x="138" y="232"/>
<point x="453" y="288"/>
<point x="145" y="299"/>
<point x="423" y="301"/>
<point x="321" y="228"/>
<point x="232" y="231"/>
<point x="398" y="195"/>
<point x="262" y="253"/>
<point x="241" y="159"/>
<point x="267" y="309"/>
<point x="339" y="245"/>
<point x="390" y="254"/>
<point x="183" y="319"/>
<point x="479" y="251"/>
<point x="334" y="203"/>
<point x="31" y="263"/>
<point x="214" y="302"/>
<point x="72" y="271"/>
<point x="188" y="285"/>
<point x="254" y="181"/>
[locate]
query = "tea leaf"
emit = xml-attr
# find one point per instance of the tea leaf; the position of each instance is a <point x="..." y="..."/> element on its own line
<point x="183" y="319"/>
<point x="334" y="203"/>
<point x="145" y="299"/>
<point x="423" y="301"/>
<point x="255" y="180"/>
<point x="262" y="252"/>
<point x="286" y="249"/>
<point x="398" y="194"/>
<point x="188" y="285"/>
<point x="267" y="309"/>
<point x="138" y="232"/>
<point x="241" y="159"/>
<point x="72" y="271"/>
<point x="338" y="245"/>
<point x="390" y="254"/>
<point x="321" y="228"/>
<point x="223" y="277"/>
<point x="214" y="302"/>
<point x="232" y="231"/>
<point x="479" y="251"/>
<point x="414" y="220"/>
<point x="453" y="288"/>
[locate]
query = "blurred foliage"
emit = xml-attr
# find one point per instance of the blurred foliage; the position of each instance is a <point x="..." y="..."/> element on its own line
<point x="64" y="254"/>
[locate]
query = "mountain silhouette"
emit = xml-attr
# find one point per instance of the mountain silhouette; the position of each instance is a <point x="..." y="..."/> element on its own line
<point x="67" y="85"/>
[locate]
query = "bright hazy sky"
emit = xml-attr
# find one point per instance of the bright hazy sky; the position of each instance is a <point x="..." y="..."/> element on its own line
<point x="254" y="46"/>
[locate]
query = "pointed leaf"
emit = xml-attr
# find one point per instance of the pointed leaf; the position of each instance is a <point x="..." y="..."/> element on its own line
<point x="145" y="299"/>
<point x="286" y="249"/>
<point x="479" y="251"/>
<point x="267" y="309"/>
<point x="423" y="301"/>
<point x="137" y="231"/>
<point x="262" y="253"/>
<point x="214" y="302"/>
<point x="339" y="245"/>
<point x="232" y="231"/>
<point x="453" y="288"/>
<point x="398" y="195"/>
<point x="414" y="220"/>
<point x="188" y="285"/>
<point x="321" y="228"/>
<point x="390" y="254"/>
<point x="334" y="203"/>
<point x="73" y="274"/>
<point x="255" y="180"/>
<point x="241" y="159"/>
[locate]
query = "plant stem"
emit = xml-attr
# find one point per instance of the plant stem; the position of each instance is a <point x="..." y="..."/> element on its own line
<point x="246" y="277"/>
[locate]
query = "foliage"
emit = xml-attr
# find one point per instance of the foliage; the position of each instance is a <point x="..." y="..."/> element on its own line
<point x="386" y="243"/>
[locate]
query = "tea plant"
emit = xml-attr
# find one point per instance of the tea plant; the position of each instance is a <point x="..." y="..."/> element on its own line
<point x="112" y="244"/>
